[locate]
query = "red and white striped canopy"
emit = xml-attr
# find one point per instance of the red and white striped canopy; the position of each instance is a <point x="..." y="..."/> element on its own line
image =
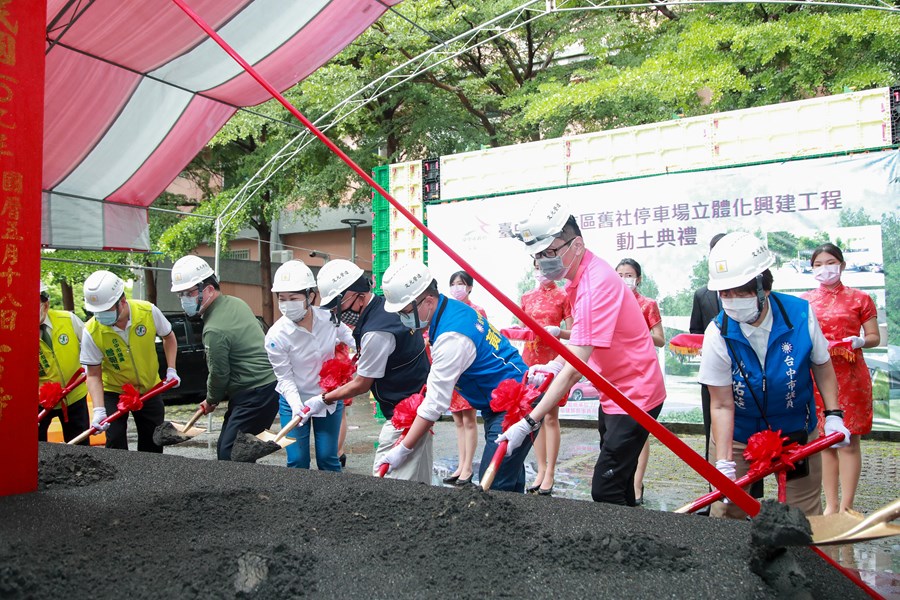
<point x="134" y="90"/>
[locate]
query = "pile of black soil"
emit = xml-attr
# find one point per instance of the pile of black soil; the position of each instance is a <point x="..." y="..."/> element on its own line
<point x="73" y="470"/>
<point x="167" y="435"/>
<point x="168" y="526"/>
<point x="249" y="448"/>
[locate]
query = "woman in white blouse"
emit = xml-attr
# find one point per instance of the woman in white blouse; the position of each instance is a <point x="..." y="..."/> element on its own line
<point x="298" y="343"/>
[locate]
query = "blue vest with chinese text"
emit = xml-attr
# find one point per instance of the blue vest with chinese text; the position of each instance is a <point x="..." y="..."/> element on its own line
<point x="495" y="358"/>
<point x="785" y="395"/>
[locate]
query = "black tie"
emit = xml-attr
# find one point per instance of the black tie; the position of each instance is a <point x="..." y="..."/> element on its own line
<point x="45" y="335"/>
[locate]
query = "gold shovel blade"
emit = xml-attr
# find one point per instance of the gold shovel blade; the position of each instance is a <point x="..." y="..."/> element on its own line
<point x="268" y="436"/>
<point x="192" y="432"/>
<point x="850" y="526"/>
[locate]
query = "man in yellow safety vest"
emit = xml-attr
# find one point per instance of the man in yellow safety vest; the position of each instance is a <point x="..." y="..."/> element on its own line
<point x="58" y="360"/>
<point x="119" y="347"/>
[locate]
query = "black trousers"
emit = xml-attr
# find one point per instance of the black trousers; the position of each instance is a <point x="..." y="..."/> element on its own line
<point x="79" y="422"/>
<point x="146" y="420"/>
<point x="251" y="411"/>
<point x="621" y="441"/>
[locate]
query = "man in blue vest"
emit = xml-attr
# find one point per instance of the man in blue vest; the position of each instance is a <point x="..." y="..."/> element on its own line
<point x="760" y="357"/>
<point x="392" y="362"/>
<point x="467" y="354"/>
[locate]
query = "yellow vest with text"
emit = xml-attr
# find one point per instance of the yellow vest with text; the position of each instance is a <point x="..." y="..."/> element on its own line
<point x="135" y="362"/>
<point x="59" y="362"/>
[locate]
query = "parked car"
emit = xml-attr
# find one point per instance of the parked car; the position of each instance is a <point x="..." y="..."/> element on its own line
<point x="583" y="390"/>
<point x="191" y="358"/>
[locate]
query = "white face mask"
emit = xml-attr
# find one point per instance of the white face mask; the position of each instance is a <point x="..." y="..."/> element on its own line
<point x="827" y="274"/>
<point x="742" y="310"/>
<point x="540" y="279"/>
<point x="630" y="282"/>
<point x="294" y="310"/>
<point x="459" y="292"/>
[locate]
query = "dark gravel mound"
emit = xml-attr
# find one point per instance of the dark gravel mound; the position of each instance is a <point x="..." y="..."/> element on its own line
<point x="73" y="470"/>
<point x="174" y="527"/>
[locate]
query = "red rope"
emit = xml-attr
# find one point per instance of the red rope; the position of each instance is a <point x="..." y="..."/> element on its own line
<point x="741" y="498"/>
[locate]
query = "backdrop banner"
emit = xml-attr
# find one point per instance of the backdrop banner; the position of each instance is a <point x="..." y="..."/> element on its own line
<point x="665" y="223"/>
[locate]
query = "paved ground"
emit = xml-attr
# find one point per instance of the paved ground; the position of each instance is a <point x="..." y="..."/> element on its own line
<point x="669" y="483"/>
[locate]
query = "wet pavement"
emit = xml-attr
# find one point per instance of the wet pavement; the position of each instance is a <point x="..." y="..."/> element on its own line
<point x="669" y="483"/>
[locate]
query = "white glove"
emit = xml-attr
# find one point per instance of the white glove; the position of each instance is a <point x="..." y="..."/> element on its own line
<point x="99" y="416"/>
<point x="856" y="342"/>
<point x="536" y="378"/>
<point x="727" y="468"/>
<point x="515" y="435"/>
<point x="296" y="405"/>
<point x="395" y="457"/>
<point x="171" y="374"/>
<point x="553" y="330"/>
<point x="317" y="408"/>
<point x="835" y="424"/>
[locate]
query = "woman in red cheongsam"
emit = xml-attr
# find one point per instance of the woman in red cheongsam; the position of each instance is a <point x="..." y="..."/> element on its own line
<point x="630" y="272"/>
<point x="464" y="416"/>
<point x="843" y="314"/>
<point x="549" y="305"/>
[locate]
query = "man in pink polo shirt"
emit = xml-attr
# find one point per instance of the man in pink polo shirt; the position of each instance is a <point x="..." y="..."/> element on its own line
<point x="609" y="333"/>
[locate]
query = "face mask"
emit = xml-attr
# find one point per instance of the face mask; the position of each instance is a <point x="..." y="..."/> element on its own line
<point x="827" y="274"/>
<point x="552" y="268"/>
<point x="107" y="317"/>
<point x="349" y="317"/>
<point x="630" y="282"/>
<point x="411" y="319"/>
<point x="294" y="310"/>
<point x="541" y="280"/>
<point x="190" y="305"/>
<point x="742" y="310"/>
<point x="459" y="292"/>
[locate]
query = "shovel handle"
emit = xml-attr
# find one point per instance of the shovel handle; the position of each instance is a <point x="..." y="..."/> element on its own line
<point x="289" y="426"/>
<point x="778" y="465"/>
<point x="194" y="419"/>
<point x="92" y="430"/>
<point x="488" y="479"/>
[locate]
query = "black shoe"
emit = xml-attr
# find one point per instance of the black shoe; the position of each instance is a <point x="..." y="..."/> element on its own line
<point x="640" y="501"/>
<point x="451" y="479"/>
<point x="547" y="492"/>
<point x="463" y="482"/>
<point x="533" y="489"/>
<point x="343" y="459"/>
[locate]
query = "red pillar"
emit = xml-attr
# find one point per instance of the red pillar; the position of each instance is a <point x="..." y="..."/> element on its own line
<point x="22" y="24"/>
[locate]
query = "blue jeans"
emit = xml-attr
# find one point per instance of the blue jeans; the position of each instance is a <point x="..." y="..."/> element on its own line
<point x="511" y="474"/>
<point x="326" y="431"/>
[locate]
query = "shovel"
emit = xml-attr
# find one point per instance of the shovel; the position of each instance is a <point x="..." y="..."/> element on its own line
<point x="776" y="466"/>
<point x="491" y="472"/>
<point x="170" y="433"/>
<point x="251" y="448"/>
<point x="77" y="379"/>
<point x="850" y="526"/>
<point x="128" y="401"/>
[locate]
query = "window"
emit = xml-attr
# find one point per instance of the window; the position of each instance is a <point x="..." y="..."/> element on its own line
<point x="238" y="254"/>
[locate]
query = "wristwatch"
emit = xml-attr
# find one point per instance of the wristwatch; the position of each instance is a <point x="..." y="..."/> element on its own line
<point x="834" y="412"/>
<point x="532" y="423"/>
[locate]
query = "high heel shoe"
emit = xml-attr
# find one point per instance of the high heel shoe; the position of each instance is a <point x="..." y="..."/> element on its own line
<point x="533" y="489"/>
<point x="547" y="492"/>
<point x="640" y="501"/>
<point x="451" y="479"/>
<point x="460" y="482"/>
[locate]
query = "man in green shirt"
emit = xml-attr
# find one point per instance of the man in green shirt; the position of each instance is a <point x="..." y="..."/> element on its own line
<point x="239" y="368"/>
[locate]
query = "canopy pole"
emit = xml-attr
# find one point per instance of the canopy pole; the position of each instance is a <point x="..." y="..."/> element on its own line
<point x="737" y="495"/>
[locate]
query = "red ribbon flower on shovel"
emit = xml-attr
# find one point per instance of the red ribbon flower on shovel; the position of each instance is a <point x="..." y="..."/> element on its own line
<point x="515" y="398"/>
<point x="49" y="395"/>
<point x="336" y="372"/>
<point x="129" y="399"/>
<point x="764" y="447"/>
<point x="405" y="411"/>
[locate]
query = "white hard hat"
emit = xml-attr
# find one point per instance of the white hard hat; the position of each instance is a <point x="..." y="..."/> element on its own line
<point x="403" y="282"/>
<point x="43" y="288"/>
<point x="544" y="222"/>
<point x="335" y="277"/>
<point x="293" y="276"/>
<point x="736" y="259"/>
<point x="102" y="290"/>
<point x="189" y="271"/>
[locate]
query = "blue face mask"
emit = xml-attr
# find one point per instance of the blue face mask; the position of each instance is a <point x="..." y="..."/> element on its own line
<point x="191" y="305"/>
<point x="411" y="319"/>
<point x="107" y="317"/>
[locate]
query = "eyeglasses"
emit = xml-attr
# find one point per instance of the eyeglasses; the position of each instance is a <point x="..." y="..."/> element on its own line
<point x="551" y="252"/>
<point x="188" y="293"/>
